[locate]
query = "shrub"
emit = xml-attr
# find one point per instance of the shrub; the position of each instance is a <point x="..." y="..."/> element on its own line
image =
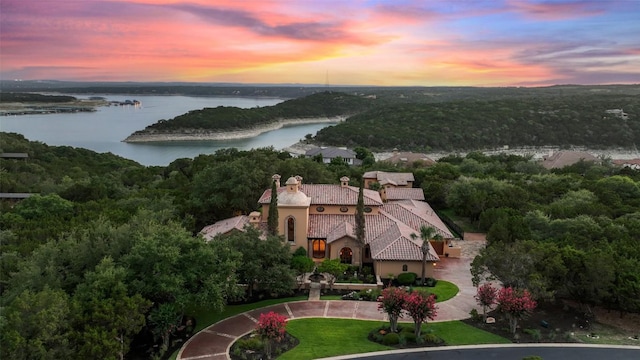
<point x="432" y="339"/>
<point x="532" y="357"/>
<point x="407" y="329"/>
<point x="535" y="334"/>
<point x="300" y="252"/>
<point x="410" y="337"/>
<point x="254" y="344"/>
<point x="369" y="294"/>
<point x="475" y="316"/>
<point x="407" y="278"/>
<point x="391" y="339"/>
<point x="430" y="282"/>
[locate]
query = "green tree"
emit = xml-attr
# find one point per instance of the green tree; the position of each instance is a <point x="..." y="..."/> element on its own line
<point x="106" y="317"/>
<point x="333" y="268"/>
<point x="427" y="233"/>
<point x="36" y="325"/>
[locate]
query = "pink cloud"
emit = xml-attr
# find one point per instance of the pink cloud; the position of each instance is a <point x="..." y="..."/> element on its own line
<point x="555" y="10"/>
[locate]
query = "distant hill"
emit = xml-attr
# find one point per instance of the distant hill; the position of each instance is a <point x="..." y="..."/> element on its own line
<point x="562" y="120"/>
<point x="223" y="118"/>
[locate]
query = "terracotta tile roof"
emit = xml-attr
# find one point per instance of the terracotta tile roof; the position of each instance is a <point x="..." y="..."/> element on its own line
<point x="224" y="226"/>
<point x="404" y="193"/>
<point x="409" y="157"/>
<point x="342" y="230"/>
<point x="331" y="195"/>
<point x="416" y="215"/>
<point x="389" y="177"/>
<point x="627" y="162"/>
<point x="566" y="158"/>
<point x="387" y="233"/>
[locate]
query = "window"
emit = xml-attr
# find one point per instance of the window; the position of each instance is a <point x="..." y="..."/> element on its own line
<point x="320" y="209"/>
<point x="344" y="209"/>
<point x="318" y="248"/>
<point x="346" y="255"/>
<point x="291" y="229"/>
<point x="367" y="209"/>
<point x="405" y="267"/>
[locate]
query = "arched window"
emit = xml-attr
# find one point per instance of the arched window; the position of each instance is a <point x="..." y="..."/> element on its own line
<point x="318" y="247"/>
<point x="405" y="267"/>
<point x="291" y="229"/>
<point x="346" y="255"/>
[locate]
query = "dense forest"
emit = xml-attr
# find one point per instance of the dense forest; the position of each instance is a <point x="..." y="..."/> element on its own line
<point x="221" y="118"/>
<point x="103" y="261"/>
<point x="7" y="97"/>
<point x="473" y="124"/>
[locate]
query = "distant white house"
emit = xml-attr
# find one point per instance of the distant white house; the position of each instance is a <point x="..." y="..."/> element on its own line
<point x="330" y="153"/>
<point x="618" y="113"/>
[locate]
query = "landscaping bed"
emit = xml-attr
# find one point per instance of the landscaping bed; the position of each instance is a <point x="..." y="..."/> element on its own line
<point x="551" y="323"/>
<point x="251" y="347"/>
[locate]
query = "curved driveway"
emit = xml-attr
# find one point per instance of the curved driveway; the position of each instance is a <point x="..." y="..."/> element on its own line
<point x="215" y="341"/>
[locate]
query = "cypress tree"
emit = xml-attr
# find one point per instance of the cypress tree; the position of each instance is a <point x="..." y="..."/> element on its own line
<point x="272" y="221"/>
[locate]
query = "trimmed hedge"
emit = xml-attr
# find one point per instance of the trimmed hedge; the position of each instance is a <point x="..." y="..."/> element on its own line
<point x="407" y="279"/>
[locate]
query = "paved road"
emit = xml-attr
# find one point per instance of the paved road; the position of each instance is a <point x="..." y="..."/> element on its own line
<point x="508" y="352"/>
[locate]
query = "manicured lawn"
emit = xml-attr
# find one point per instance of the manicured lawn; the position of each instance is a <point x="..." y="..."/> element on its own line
<point x="459" y="333"/>
<point x="332" y="337"/>
<point x="330" y="297"/>
<point x="444" y="290"/>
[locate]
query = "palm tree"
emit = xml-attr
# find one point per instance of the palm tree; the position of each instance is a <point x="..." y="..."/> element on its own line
<point x="426" y="233"/>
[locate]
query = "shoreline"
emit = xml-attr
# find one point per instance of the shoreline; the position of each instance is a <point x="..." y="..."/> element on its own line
<point x="204" y="135"/>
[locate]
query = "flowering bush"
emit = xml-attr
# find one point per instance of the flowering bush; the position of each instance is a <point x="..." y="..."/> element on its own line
<point x="515" y="305"/>
<point x="271" y="326"/>
<point x="486" y="297"/>
<point x="392" y="302"/>
<point x="420" y="307"/>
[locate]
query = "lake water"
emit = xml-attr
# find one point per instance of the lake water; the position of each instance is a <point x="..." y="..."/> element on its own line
<point x="104" y="130"/>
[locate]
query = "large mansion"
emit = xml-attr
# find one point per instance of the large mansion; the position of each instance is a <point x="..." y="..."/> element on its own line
<point x="321" y="219"/>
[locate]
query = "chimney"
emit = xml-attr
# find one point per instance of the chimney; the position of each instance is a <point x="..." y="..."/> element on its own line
<point x="276" y="178"/>
<point x="254" y="218"/>
<point x="292" y="185"/>
<point x="344" y="181"/>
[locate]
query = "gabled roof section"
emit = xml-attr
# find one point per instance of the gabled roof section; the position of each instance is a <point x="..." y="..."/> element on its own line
<point x="224" y="226"/>
<point x="394" y="193"/>
<point x="345" y="229"/>
<point x="331" y="195"/>
<point x="331" y="152"/>
<point x="566" y="158"/>
<point x="399" y="179"/>
<point x="416" y="214"/>
<point x="410" y="157"/>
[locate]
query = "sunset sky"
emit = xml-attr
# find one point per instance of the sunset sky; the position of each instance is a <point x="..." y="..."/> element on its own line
<point x="348" y="42"/>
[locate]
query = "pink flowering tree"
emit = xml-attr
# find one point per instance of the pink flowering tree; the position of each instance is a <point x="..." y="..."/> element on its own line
<point x="271" y="327"/>
<point x="420" y="307"/>
<point x="515" y="305"/>
<point x="486" y="297"/>
<point x="392" y="302"/>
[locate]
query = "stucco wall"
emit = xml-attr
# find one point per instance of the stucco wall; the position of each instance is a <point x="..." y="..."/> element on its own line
<point x="384" y="268"/>
<point x="301" y="216"/>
